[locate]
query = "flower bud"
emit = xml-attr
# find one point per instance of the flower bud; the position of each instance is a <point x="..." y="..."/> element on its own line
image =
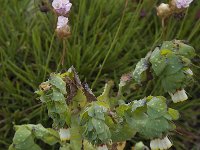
<point x="161" y="144"/>
<point x="179" y="96"/>
<point x="102" y="147"/>
<point x="64" y="134"/>
<point x="163" y="10"/>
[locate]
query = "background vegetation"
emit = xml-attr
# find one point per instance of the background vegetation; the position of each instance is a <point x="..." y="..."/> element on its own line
<point x="107" y="39"/>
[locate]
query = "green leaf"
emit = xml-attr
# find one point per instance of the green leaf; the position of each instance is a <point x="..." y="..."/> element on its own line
<point x="156" y="107"/>
<point x="121" y="109"/>
<point x="21" y="135"/>
<point x="88" y="146"/>
<point x="139" y="72"/>
<point x="137" y="104"/>
<point x="139" y="146"/>
<point x="23" y="139"/>
<point x="174" y="64"/>
<point x="57" y="81"/>
<point x="173" y="113"/>
<point x="168" y="45"/>
<point x="58" y="96"/>
<point x="158" y="62"/>
<point x="79" y="99"/>
<point x="123" y="133"/>
<point x="98" y="125"/>
<point x="155" y="127"/>
<point x="186" y="50"/>
<point x="65" y="147"/>
<point x="171" y="83"/>
<point x="75" y="130"/>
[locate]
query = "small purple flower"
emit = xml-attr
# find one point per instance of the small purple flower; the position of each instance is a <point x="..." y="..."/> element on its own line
<point x="61" y="6"/>
<point x="183" y="3"/>
<point x="62" y="22"/>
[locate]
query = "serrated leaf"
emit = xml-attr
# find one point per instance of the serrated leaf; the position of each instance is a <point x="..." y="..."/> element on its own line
<point x="57" y="81"/>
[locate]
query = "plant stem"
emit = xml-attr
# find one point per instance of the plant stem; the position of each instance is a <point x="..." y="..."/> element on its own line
<point x="48" y="56"/>
<point x="111" y="47"/>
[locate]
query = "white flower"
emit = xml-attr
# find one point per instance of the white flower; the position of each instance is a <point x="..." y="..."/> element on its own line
<point x="64" y="134"/>
<point x="189" y="72"/>
<point x="102" y="147"/>
<point x="161" y="144"/>
<point x="62" y="22"/>
<point x="179" y="96"/>
<point x="62" y="7"/>
<point x="57" y="4"/>
<point x="183" y="3"/>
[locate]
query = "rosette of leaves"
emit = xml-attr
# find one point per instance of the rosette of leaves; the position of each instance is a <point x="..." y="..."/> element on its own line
<point x="151" y="117"/>
<point x="25" y="135"/>
<point x="96" y="131"/>
<point x="169" y="63"/>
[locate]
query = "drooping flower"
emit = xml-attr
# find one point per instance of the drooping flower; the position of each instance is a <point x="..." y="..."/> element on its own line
<point x="189" y="71"/>
<point x="62" y="7"/>
<point x="163" y="144"/>
<point x="183" y="3"/>
<point x="64" y="134"/>
<point x="102" y="147"/>
<point x="179" y="96"/>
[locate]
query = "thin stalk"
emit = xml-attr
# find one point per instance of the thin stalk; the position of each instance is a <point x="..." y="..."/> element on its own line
<point x="111" y="47"/>
<point x="48" y="56"/>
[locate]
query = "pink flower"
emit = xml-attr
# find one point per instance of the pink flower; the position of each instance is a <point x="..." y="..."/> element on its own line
<point x="62" y="7"/>
<point x="183" y="3"/>
<point x="62" y="22"/>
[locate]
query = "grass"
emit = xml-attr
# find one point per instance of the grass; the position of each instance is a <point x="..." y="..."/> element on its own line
<point x="107" y="40"/>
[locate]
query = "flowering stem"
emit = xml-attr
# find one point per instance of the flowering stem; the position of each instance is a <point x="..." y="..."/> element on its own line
<point x="178" y="35"/>
<point x="48" y="56"/>
<point x="111" y="47"/>
<point x="63" y="53"/>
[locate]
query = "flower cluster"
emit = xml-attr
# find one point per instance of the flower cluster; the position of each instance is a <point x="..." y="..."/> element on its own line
<point x="183" y="3"/>
<point x="175" y="6"/>
<point x="62" y="8"/>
